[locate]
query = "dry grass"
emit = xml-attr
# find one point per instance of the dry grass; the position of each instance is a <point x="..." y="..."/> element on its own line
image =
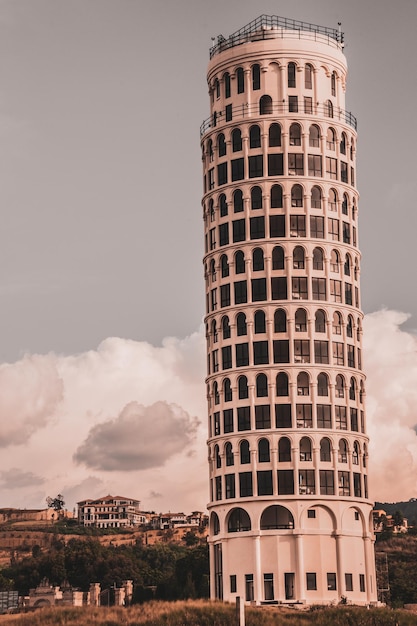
<point x="203" y="613"/>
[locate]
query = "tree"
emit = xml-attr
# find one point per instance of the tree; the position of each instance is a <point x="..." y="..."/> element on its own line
<point x="56" y="503"/>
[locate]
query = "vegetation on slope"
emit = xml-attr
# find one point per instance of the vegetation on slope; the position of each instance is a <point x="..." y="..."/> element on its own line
<point x="199" y="613"/>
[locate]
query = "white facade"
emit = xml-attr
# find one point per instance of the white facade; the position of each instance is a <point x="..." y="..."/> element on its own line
<point x="290" y="517"/>
<point x="110" y="512"/>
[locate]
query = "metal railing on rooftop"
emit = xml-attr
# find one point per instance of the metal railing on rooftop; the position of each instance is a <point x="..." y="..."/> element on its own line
<point x="272" y="27"/>
<point x="244" y="111"/>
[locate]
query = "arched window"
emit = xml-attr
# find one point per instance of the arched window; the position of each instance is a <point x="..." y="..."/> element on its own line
<point x="337" y="323"/>
<point x="332" y="200"/>
<point x="226" y="327"/>
<point x="361" y="392"/>
<point x="298" y="258"/>
<point x="224" y="264"/>
<point x="227" y="90"/>
<point x="343" y="144"/>
<point x="318" y="259"/>
<point x="343" y="451"/>
<point x="217" y="456"/>
<point x="261" y="386"/>
<point x="365" y="454"/>
<point x="340" y="386"/>
<point x="210" y="151"/>
<point x="333" y="84"/>
<point x="296" y="196"/>
<point x="291" y="69"/>
<point x="276" y="517"/>
<point x="244" y="452"/>
<point x="355" y="453"/>
<point x="265" y="105"/>
<point x="314" y="136"/>
<point x="325" y="450"/>
<point x="345" y="209"/>
<point x="295" y="135"/>
<point x="221" y="145"/>
<point x="256" y="198"/>
<point x="352" y="389"/>
<point x="347" y="265"/>
<point x="274" y="135"/>
<point x="256" y="77"/>
<point x="316" y="197"/>
<point x="276" y="197"/>
<point x="255" y="137"/>
<point x="349" y="326"/>
<point x="241" y="326"/>
<point x="331" y="139"/>
<point x="240" y="266"/>
<point x="320" y="321"/>
<point x="260" y="323"/>
<point x="308" y="76"/>
<point x="213" y="270"/>
<point x="238" y="201"/>
<point x="228" y="453"/>
<point x="263" y="451"/>
<point x="236" y="140"/>
<point x="300" y="321"/>
<point x="214" y="523"/>
<point x="217" y="87"/>
<point x="214" y="331"/>
<point x="240" y="79"/>
<point x="239" y="521"/>
<point x="334" y="261"/>
<point x="305" y="449"/>
<point x="322" y="384"/>
<point x="278" y="259"/>
<point x="280" y="321"/>
<point x="303" y="384"/>
<point x="227" y="390"/>
<point x="216" y="394"/>
<point x="284" y="450"/>
<point x="328" y="108"/>
<point x="223" y="205"/>
<point x="242" y="385"/>
<point x="211" y="210"/>
<point x="258" y="260"/>
<point x="282" y="384"/>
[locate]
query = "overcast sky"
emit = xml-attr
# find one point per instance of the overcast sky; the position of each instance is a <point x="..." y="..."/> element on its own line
<point x="101" y="240"/>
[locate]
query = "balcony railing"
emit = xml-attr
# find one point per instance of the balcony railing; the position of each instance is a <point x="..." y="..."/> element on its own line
<point x="273" y="27"/>
<point x="244" y="111"/>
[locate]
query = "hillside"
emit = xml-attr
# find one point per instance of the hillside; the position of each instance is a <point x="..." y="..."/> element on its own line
<point x="408" y="509"/>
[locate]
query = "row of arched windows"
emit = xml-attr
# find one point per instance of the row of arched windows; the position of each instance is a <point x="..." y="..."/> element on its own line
<point x="296" y="130"/>
<point x="224" y="83"/>
<point x="279" y="258"/>
<point x="282" y="387"/>
<point x="302" y="317"/>
<point x="298" y="194"/>
<point x="303" y="449"/>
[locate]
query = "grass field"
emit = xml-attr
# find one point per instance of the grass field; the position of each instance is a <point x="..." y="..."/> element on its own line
<point x="203" y="613"/>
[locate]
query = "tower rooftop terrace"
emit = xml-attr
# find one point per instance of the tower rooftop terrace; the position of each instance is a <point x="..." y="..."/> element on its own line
<point x="273" y="27"/>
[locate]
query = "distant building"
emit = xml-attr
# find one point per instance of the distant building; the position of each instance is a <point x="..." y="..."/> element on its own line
<point x="165" y="521"/>
<point x="384" y="521"/>
<point x="8" y="515"/>
<point x="110" y="512"/>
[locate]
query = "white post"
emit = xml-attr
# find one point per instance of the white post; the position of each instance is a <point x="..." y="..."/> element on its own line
<point x="240" y="610"/>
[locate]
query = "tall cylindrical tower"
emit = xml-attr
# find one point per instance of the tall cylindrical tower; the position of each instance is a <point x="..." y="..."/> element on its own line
<point x="290" y="517"/>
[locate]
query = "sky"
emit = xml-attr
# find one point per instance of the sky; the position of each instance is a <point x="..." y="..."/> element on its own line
<point x="101" y="286"/>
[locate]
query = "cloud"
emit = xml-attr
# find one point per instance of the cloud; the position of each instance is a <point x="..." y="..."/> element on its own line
<point x="139" y="438"/>
<point x="15" y="478"/>
<point x="31" y="392"/>
<point x="391" y="368"/>
<point x="120" y="420"/>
